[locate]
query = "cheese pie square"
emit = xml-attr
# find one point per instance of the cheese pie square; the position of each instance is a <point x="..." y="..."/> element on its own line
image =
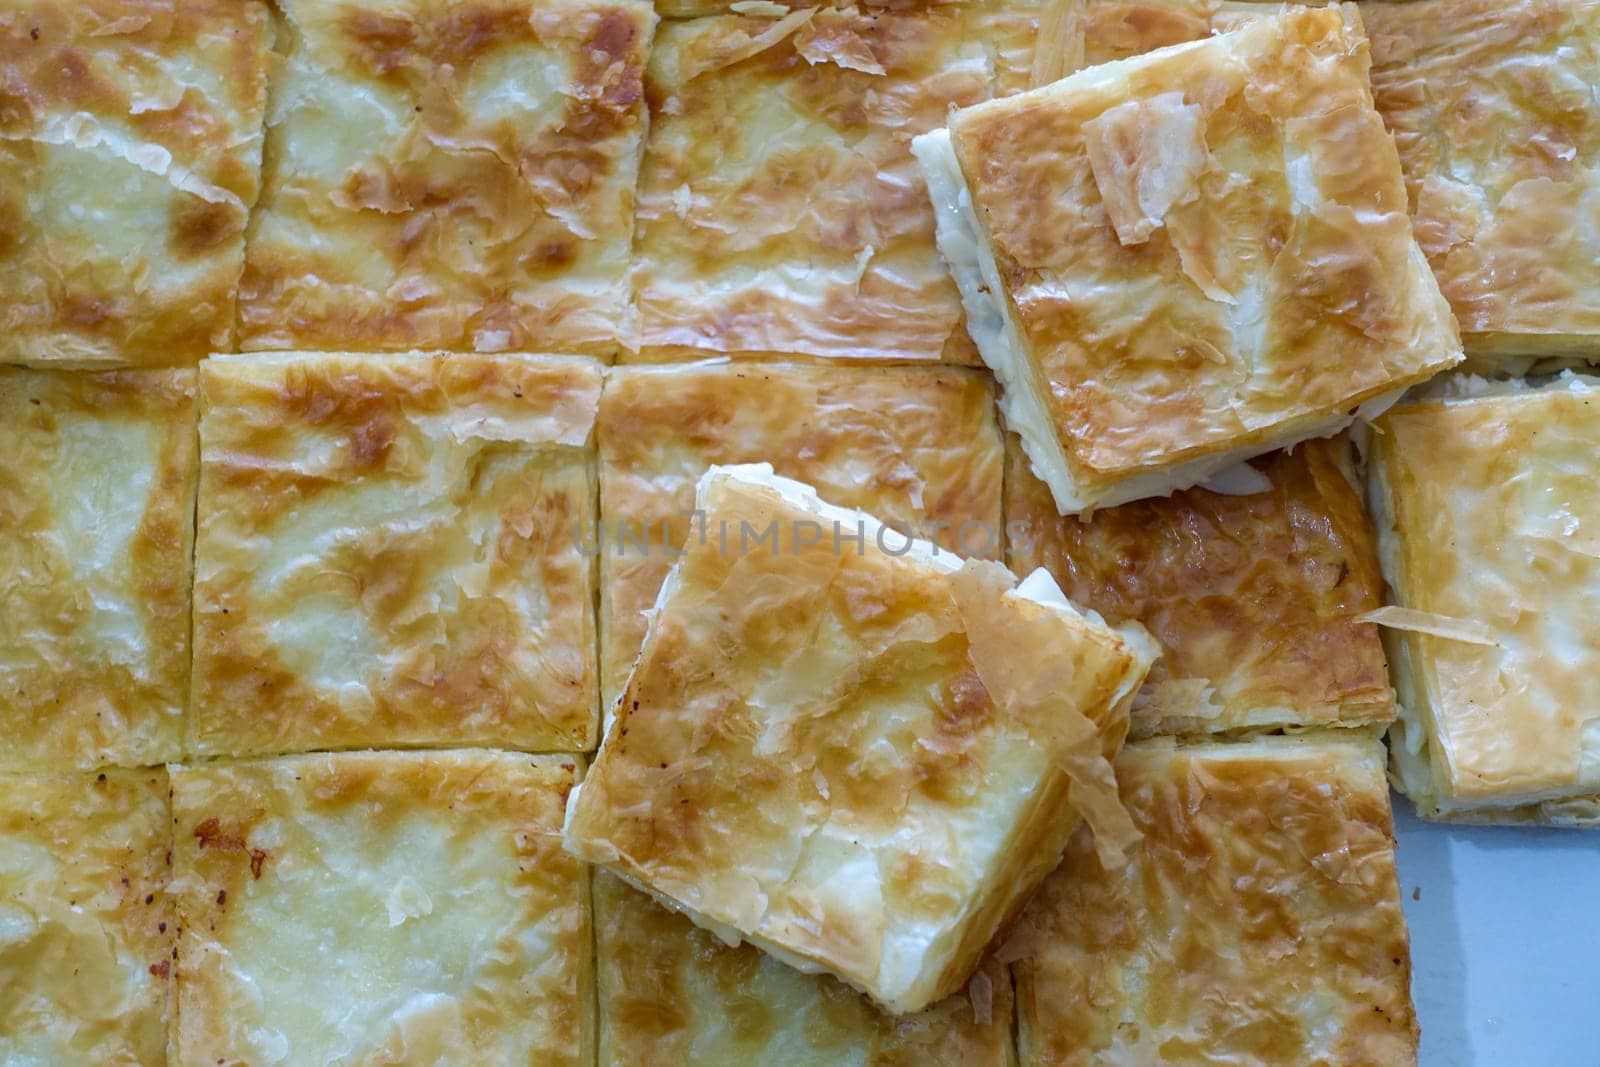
<point x="97" y="490"/>
<point x="391" y="553"/>
<point x="852" y="749"/>
<point x="917" y="446"/>
<point x="1489" y="524"/>
<point x="380" y="907"/>
<point x="130" y="156"/>
<point x="1188" y="258"/>
<point x="87" y="929"/>
<point x="1258" y="920"/>
<point x="1258" y="596"/>
<point x="780" y="210"/>
<point x="672" y="993"/>
<point x="455" y="175"/>
<point x="1493" y="111"/>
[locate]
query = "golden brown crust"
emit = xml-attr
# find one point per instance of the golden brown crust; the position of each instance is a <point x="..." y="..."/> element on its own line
<point x="1487" y="513"/>
<point x="1204" y="250"/>
<point x="450" y="175"/>
<point x="857" y="759"/>
<point x="380" y="908"/>
<point x="780" y="210"/>
<point x="1108" y="30"/>
<point x="391" y="553"/>
<point x="86" y="959"/>
<point x="914" y="445"/>
<point x="1259" y="922"/>
<point x="1491" y="107"/>
<point x="672" y="993"/>
<point x="97" y="493"/>
<point x="1255" y="599"/>
<point x="130" y="148"/>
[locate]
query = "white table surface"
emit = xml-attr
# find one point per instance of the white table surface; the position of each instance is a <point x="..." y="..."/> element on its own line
<point x="1505" y="942"/>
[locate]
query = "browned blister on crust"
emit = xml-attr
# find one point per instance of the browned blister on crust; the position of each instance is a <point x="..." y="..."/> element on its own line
<point x="87" y="957"/>
<point x="1257" y="599"/>
<point x="97" y="488"/>
<point x="780" y="210"/>
<point x="840" y="754"/>
<point x="391" y="553"/>
<point x="450" y="175"/>
<point x="1489" y="525"/>
<point x="672" y="993"/>
<point x="130" y="154"/>
<point x="1190" y="257"/>
<point x="380" y="907"/>
<point x="917" y="446"/>
<point x="1258" y="921"/>
<point x="1493" y="111"/>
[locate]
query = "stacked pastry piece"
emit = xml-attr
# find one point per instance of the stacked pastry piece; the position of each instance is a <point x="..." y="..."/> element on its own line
<point x="395" y="668"/>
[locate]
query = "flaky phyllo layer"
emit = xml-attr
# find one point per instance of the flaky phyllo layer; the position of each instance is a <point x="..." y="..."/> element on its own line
<point x="859" y="755"/>
<point x="1180" y="260"/>
<point x="1487" y="516"/>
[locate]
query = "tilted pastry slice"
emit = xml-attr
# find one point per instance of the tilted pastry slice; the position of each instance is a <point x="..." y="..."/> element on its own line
<point x="1187" y="258"/>
<point x="671" y="993"/>
<point x="1257" y="921"/>
<point x="1488" y="520"/>
<point x="1259" y="596"/>
<point x="860" y="755"/>
<point x="380" y="907"/>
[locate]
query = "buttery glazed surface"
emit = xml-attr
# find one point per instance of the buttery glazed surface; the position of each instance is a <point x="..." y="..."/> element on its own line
<point x="380" y="908"/>
<point x="1489" y="513"/>
<point x="1493" y="111"/>
<point x="88" y="930"/>
<point x="1259" y="921"/>
<point x="1203" y="249"/>
<point x="389" y="553"/>
<point x="671" y="993"/>
<point x="1253" y="598"/>
<point x="853" y="758"/>
<point x="914" y="445"/>
<point x="780" y="210"/>
<point x="97" y="483"/>
<point x="130" y="151"/>
<point x="442" y="174"/>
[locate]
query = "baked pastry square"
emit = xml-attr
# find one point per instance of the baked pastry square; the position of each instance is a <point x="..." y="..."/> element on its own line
<point x="916" y="446"/>
<point x="1492" y="109"/>
<point x="1489" y="525"/>
<point x="130" y="155"/>
<point x="97" y="488"/>
<point x="1258" y="921"/>
<point x="780" y="210"/>
<point x="86" y="953"/>
<point x="380" y="907"/>
<point x="672" y="993"/>
<point x="450" y="175"/>
<point x="1259" y="597"/>
<point x="391" y="553"/>
<point x="1188" y="258"/>
<point x="854" y="754"/>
